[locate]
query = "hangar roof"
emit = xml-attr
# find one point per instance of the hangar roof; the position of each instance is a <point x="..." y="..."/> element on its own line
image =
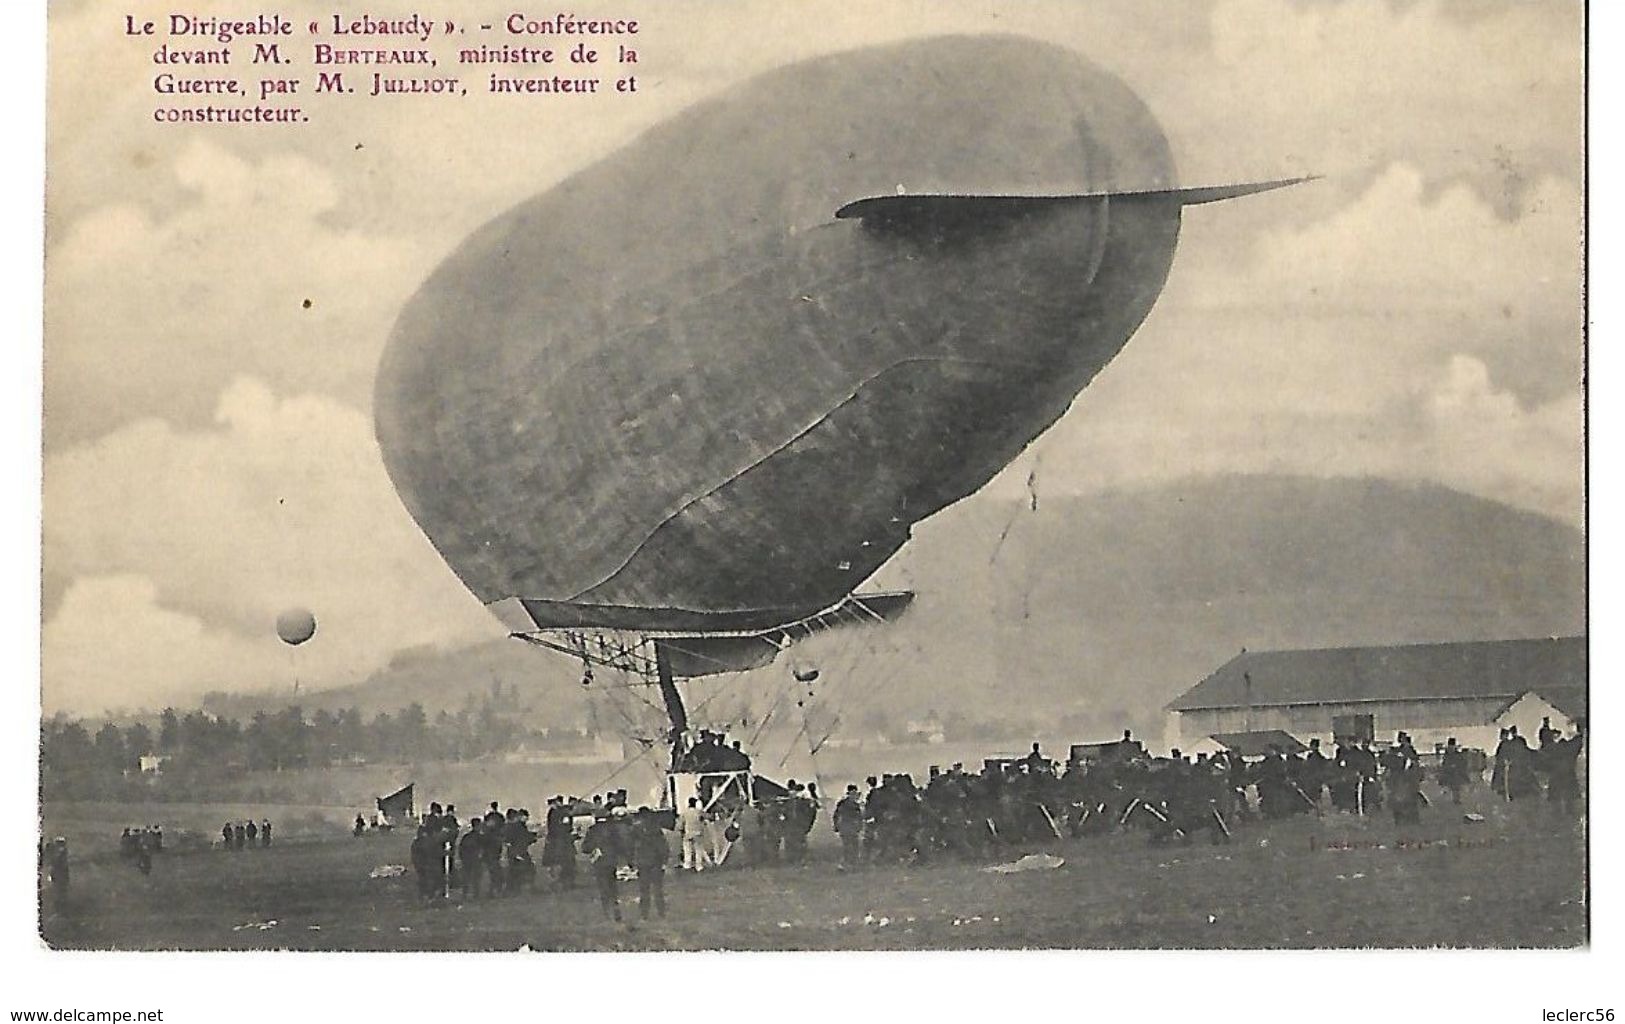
<point x="1438" y="671"/>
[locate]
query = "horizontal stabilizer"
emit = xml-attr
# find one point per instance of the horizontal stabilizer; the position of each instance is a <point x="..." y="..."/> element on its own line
<point x="905" y="206"/>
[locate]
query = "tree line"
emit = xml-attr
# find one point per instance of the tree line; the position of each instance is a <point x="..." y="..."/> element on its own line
<point x="78" y="759"/>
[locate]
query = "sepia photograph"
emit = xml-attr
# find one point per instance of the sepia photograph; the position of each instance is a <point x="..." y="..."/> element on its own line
<point x="735" y="475"/>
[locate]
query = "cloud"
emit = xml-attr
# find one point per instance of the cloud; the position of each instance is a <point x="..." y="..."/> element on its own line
<point x="112" y="646"/>
<point x="283" y="502"/>
<point x="1493" y="98"/>
<point x="1403" y="335"/>
<point x="1490" y="442"/>
<point x="152" y="315"/>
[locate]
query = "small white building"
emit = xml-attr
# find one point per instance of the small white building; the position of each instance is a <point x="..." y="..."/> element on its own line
<point x="1468" y="690"/>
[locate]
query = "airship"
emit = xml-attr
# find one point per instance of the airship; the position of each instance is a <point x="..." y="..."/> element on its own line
<point x="702" y="389"/>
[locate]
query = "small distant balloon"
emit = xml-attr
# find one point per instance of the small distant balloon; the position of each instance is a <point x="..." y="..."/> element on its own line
<point x="295" y="626"/>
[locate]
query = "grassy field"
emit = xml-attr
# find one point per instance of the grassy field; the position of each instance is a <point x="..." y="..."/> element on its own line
<point x="1514" y="880"/>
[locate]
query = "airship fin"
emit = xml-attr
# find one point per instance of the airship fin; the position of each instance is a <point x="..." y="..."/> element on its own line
<point x="900" y="206"/>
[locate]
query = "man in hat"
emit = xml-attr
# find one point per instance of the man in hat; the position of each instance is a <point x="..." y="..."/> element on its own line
<point x="1453" y="770"/>
<point x="1313" y="771"/>
<point x="558" y="850"/>
<point x="426" y="864"/>
<point x="1563" y="778"/>
<point x="649" y="856"/>
<point x="602" y="845"/>
<point x="472" y="850"/>
<point x="848" y="822"/>
<point x="871" y="818"/>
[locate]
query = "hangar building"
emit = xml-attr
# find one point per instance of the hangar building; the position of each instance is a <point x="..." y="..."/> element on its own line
<point x="1469" y="690"/>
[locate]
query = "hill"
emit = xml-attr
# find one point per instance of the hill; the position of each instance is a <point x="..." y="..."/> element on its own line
<point x="1098" y="609"/>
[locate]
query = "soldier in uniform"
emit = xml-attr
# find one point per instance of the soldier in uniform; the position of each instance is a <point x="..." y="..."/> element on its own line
<point x="1563" y="775"/>
<point x="649" y="856"/>
<point x="253" y="832"/>
<point x="1521" y="780"/>
<point x="848" y="823"/>
<point x="521" y="865"/>
<point x="1312" y="774"/>
<point x="1453" y="770"/>
<point x="1547" y="734"/>
<point x="426" y="864"/>
<point x="871" y="819"/>
<point x="491" y="850"/>
<point x="1498" y="774"/>
<point x="558" y="846"/>
<point x="790" y="822"/>
<point x="1403" y="775"/>
<point x="472" y="850"/>
<point x="804" y="815"/>
<point x="1272" y="784"/>
<point x="603" y="848"/>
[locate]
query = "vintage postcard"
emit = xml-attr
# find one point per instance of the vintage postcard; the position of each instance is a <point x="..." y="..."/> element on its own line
<point x="1056" y="474"/>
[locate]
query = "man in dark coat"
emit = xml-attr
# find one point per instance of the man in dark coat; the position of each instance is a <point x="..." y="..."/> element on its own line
<point x="1313" y="773"/>
<point x="559" y="847"/>
<point x="427" y="864"/>
<point x="491" y="850"/>
<point x="518" y="838"/>
<point x="1562" y="772"/>
<point x="472" y="850"/>
<point x="1521" y="780"/>
<point x="848" y="822"/>
<point x="649" y="856"/>
<point x="1453" y="770"/>
<point x="602" y="845"/>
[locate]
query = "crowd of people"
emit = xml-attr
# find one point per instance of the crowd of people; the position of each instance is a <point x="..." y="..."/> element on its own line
<point x="711" y="752"/>
<point x="1521" y="771"/>
<point x="492" y="858"/>
<point x="137" y="845"/>
<point x="958" y="813"/>
<point x="246" y="834"/>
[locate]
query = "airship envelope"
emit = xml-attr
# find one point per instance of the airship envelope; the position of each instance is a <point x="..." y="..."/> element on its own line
<point x="712" y="381"/>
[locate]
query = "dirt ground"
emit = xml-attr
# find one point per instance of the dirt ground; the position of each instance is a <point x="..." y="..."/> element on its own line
<point x="1516" y="879"/>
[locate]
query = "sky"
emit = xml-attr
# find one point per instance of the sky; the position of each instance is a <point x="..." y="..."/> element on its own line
<point x="217" y="299"/>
